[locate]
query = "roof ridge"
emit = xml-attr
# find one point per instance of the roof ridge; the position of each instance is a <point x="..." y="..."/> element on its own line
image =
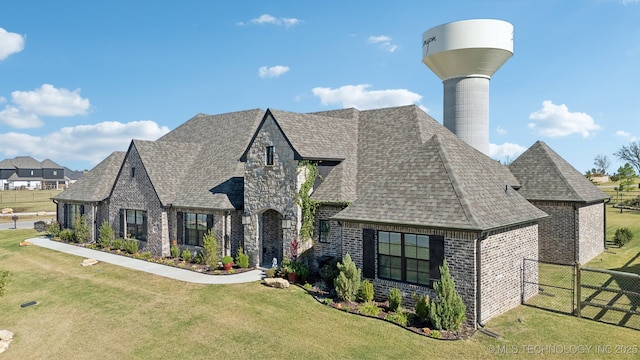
<point x="455" y="182"/>
<point x="548" y="152"/>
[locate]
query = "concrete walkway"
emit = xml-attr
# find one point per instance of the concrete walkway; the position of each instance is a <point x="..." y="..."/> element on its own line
<point x="146" y="266"/>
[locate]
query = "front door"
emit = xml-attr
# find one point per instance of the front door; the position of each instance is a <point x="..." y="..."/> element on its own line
<point x="271" y="237"/>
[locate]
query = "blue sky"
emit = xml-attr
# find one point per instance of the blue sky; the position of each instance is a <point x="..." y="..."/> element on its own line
<point x="80" y="79"/>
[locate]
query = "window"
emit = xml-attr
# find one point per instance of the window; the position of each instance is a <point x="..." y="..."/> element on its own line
<point x="71" y="212"/>
<point x="133" y="171"/>
<point x="404" y="257"/>
<point x="269" y="155"/>
<point x="31" y="172"/>
<point x="324" y="230"/>
<point x="192" y="227"/>
<point x="55" y="172"/>
<point x="136" y="224"/>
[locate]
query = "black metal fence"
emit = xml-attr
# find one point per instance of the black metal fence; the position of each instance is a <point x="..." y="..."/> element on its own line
<point x="603" y="295"/>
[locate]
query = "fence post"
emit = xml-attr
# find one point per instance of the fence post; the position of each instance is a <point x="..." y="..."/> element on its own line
<point x="578" y="292"/>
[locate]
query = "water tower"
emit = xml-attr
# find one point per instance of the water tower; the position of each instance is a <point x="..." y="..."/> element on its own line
<point x="464" y="55"/>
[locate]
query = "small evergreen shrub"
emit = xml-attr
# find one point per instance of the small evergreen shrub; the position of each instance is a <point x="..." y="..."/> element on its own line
<point x="200" y="258"/>
<point x="395" y="299"/>
<point x="145" y="255"/>
<point x="242" y="259"/>
<point x="118" y="243"/>
<point x="105" y="234"/>
<point x="398" y="317"/>
<point x="448" y="312"/>
<point x="329" y="271"/>
<point x="53" y="228"/>
<point x="270" y="273"/>
<point x="370" y="308"/>
<point x="175" y="251"/>
<point x="366" y="290"/>
<point x="211" y="249"/>
<point x="186" y="255"/>
<point x="320" y="285"/>
<point x="67" y="235"/>
<point x="131" y="246"/>
<point x="422" y="307"/>
<point x="622" y="236"/>
<point x="81" y="229"/>
<point x="347" y="283"/>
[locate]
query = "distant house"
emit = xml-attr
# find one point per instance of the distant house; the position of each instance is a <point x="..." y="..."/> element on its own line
<point x="24" y="172"/>
<point x="394" y="189"/>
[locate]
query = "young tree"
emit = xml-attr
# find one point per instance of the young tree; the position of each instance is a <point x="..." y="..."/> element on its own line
<point x="211" y="248"/>
<point x="347" y="283"/>
<point x="81" y="229"/>
<point x="448" y="312"/>
<point x="602" y="163"/>
<point x="630" y="154"/>
<point x="625" y="175"/>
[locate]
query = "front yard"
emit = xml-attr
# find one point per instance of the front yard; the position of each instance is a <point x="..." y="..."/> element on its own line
<point x="106" y="311"/>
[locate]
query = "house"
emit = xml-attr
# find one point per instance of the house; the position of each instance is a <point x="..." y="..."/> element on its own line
<point x="25" y="172"/>
<point x="392" y="187"/>
<point x="574" y="232"/>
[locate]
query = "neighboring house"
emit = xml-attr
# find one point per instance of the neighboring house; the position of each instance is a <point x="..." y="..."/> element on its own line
<point x="394" y="188"/>
<point x="575" y="230"/>
<point x="25" y="172"/>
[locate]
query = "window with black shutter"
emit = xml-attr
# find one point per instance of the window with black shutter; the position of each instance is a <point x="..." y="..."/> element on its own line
<point x="409" y="258"/>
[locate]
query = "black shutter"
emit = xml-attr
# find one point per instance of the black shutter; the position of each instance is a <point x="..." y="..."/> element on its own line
<point x="369" y="253"/>
<point x="436" y="256"/>
<point x="122" y="214"/>
<point x="180" y="227"/>
<point x="144" y="226"/>
<point x="81" y="210"/>
<point x="209" y="222"/>
<point x="65" y="211"/>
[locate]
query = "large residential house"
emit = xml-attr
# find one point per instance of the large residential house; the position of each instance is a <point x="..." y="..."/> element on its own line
<point x="25" y="172"/>
<point x="392" y="187"/>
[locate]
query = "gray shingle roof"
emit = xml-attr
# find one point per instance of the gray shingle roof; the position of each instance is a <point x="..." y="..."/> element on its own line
<point x="544" y="175"/>
<point x="27" y="162"/>
<point x="214" y="177"/>
<point x="50" y="164"/>
<point x="96" y="184"/>
<point x="442" y="182"/>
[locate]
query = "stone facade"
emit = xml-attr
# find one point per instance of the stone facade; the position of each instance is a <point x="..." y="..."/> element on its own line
<point x="270" y="187"/>
<point x="570" y="224"/>
<point x="133" y="190"/>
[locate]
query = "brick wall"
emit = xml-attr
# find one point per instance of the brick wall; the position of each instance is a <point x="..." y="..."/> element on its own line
<point x="333" y="247"/>
<point x="591" y="231"/>
<point x="557" y="232"/>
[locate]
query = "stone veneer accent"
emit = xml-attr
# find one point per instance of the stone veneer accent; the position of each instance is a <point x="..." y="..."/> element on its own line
<point x="570" y="223"/>
<point x="270" y="187"/>
<point x="137" y="193"/>
<point x="502" y="258"/>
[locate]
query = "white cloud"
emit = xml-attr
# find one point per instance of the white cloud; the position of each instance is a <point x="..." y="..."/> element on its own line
<point x="557" y="121"/>
<point x="28" y="106"/>
<point x="91" y="143"/>
<point x="501" y="131"/>
<point x="384" y="42"/>
<point x="272" y="20"/>
<point x="273" y="71"/>
<point x="10" y="43"/>
<point x="626" y="135"/>
<point x="360" y="97"/>
<point x="506" y="152"/>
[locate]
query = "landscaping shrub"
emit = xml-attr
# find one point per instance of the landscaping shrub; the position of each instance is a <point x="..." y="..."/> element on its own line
<point x="347" y="283"/>
<point x="4" y="282"/>
<point x="242" y="259"/>
<point x="302" y="269"/>
<point x="131" y="246"/>
<point x="422" y="306"/>
<point x="211" y="249"/>
<point x="186" y="255"/>
<point x="366" y="290"/>
<point x="395" y="299"/>
<point x="67" y="235"/>
<point x="118" y="243"/>
<point x="227" y="260"/>
<point x="622" y="236"/>
<point x="270" y="273"/>
<point x="435" y="334"/>
<point x="327" y="301"/>
<point x="105" y="234"/>
<point x="81" y="229"/>
<point x="200" y="257"/>
<point x="398" y="317"/>
<point x="449" y="311"/>
<point x="53" y="228"/>
<point x="175" y="251"/>
<point x="370" y="308"/>
<point x="329" y="271"/>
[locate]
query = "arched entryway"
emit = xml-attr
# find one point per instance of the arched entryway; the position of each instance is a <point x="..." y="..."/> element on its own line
<point x="271" y="236"/>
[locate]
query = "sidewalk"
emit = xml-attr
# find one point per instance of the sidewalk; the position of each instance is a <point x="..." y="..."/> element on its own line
<point x="146" y="266"/>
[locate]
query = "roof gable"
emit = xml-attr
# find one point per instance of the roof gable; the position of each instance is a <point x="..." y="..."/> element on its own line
<point x="96" y="184"/>
<point x="545" y="175"/>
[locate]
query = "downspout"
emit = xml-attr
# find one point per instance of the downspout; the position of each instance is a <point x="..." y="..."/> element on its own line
<point x="576" y="232"/>
<point x="57" y="212"/>
<point x="604" y="225"/>
<point x="483" y="236"/>
<point x="225" y="236"/>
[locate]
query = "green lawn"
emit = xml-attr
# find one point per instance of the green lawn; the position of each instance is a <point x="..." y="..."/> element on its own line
<point x="28" y="200"/>
<point x="105" y="312"/>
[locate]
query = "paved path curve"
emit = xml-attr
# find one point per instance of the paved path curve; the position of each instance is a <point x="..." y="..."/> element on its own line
<point x="146" y="266"/>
